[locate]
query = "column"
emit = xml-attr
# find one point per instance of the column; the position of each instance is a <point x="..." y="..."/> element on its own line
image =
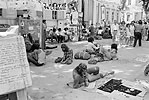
<point x="94" y="11"/>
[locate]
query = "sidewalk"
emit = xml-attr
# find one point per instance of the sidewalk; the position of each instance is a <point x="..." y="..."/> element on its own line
<point x="49" y="81"/>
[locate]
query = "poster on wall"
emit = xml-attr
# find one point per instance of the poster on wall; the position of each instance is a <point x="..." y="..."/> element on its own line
<point x="30" y="26"/>
<point x="14" y="67"/>
<point x="55" y="6"/>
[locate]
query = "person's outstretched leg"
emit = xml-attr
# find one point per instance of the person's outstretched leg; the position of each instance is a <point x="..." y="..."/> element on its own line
<point x="32" y="60"/>
<point x="93" y="78"/>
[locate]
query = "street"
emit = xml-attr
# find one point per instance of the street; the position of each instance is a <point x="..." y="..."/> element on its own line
<point x="49" y="81"/>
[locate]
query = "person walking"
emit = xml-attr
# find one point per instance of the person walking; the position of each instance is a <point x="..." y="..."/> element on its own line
<point x="114" y="30"/>
<point x="122" y="36"/>
<point x="44" y="28"/>
<point x="138" y="33"/>
<point x="92" y="30"/>
<point x="145" y="31"/>
<point x="132" y="30"/>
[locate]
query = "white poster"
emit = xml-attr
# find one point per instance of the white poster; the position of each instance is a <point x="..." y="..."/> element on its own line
<point x="14" y="67"/>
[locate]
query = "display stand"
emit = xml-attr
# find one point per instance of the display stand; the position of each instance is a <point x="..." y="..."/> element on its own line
<point x="15" y="75"/>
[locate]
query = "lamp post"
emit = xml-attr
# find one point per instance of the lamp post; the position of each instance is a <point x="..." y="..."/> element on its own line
<point x="80" y="15"/>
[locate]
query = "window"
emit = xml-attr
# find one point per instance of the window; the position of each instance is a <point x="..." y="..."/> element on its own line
<point x="128" y="17"/>
<point x="129" y="2"/>
<point x="0" y="11"/>
<point x="107" y="16"/>
<point x="54" y="14"/>
<point x="112" y="16"/>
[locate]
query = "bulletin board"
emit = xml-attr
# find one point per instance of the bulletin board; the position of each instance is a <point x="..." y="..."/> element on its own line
<point x="31" y="26"/>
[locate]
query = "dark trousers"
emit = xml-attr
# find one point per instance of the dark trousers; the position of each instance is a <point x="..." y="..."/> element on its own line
<point x="147" y="36"/>
<point x="60" y="39"/>
<point x="138" y="36"/>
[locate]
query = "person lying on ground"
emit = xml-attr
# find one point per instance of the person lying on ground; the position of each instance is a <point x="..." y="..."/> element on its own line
<point x="67" y="57"/>
<point x="83" y="76"/>
<point x="99" y="50"/>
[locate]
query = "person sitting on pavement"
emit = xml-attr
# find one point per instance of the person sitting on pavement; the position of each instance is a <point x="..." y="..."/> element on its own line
<point x="91" y="47"/>
<point x="99" y="51"/>
<point x="35" y="54"/>
<point x="83" y="76"/>
<point x="68" y="55"/>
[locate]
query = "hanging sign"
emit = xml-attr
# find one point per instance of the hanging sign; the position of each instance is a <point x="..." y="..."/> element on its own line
<point x="54" y="6"/>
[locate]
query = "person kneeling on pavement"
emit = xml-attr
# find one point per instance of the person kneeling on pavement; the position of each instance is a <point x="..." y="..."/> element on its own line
<point x="68" y="55"/>
<point x="83" y="76"/>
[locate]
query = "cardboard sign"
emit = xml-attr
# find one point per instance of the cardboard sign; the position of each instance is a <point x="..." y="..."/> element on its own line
<point x="14" y="67"/>
<point x="119" y="89"/>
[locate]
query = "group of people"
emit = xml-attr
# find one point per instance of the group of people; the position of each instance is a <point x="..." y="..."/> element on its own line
<point x="128" y="34"/>
<point x="59" y="35"/>
<point x="123" y="33"/>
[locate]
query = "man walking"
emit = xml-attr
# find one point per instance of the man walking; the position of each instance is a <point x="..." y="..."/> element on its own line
<point x="114" y="30"/>
<point x="138" y="33"/>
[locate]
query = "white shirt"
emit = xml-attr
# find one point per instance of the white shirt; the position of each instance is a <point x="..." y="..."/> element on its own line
<point x="128" y="32"/>
<point x="91" y="46"/>
<point x="132" y="29"/>
<point x="115" y="27"/>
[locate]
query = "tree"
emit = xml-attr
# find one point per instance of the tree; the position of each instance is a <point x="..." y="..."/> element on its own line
<point x="145" y="5"/>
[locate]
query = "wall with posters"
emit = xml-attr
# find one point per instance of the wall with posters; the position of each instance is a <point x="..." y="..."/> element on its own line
<point x="55" y="12"/>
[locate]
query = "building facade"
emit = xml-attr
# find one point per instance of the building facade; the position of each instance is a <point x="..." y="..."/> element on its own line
<point x="97" y="11"/>
<point x="133" y="11"/>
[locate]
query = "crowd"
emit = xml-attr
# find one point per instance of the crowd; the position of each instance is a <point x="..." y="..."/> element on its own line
<point x="121" y="34"/>
<point x="128" y="34"/>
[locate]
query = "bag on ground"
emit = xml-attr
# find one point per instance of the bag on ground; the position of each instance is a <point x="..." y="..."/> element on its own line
<point x="82" y="55"/>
